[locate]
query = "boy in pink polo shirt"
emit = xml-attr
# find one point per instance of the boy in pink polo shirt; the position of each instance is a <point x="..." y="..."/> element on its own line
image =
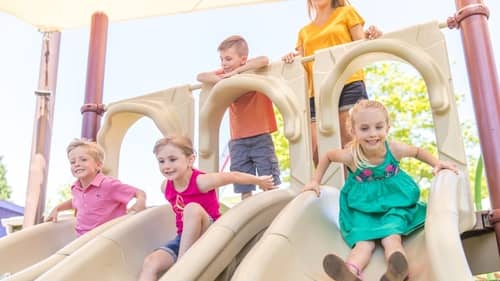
<point x="97" y="198"/>
<point x="251" y="146"/>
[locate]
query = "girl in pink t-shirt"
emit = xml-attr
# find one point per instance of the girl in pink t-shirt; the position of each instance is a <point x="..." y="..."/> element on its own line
<point x="191" y="194"/>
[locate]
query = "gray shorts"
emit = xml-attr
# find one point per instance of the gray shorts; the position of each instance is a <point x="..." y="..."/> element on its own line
<point x="256" y="156"/>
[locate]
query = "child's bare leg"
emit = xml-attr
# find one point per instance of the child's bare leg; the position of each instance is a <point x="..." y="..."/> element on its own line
<point x="196" y="221"/>
<point x="154" y="264"/>
<point x="397" y="264"/>
<point x="361" y="254"/>
<point x="245" y="195"/>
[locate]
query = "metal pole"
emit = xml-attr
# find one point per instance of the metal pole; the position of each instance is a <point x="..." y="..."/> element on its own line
<point x="93" y="107"/>
<point x="472" y="17"/>
<point x="42" y="129"/>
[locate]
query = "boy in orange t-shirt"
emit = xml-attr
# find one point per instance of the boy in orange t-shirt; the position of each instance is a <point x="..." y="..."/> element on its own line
<point x="251" y="146"/>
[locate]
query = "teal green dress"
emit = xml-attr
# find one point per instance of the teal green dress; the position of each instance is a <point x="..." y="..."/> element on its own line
<point x="378" y="201"/>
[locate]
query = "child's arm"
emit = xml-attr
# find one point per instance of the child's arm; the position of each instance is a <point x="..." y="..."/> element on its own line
<point x="66" y="205"/>
<point x="211" y="77"/>
<point x="425" y="156"/>
<point x="207" y="182"/>
<point x="140" y="202"/>
<point x="252" y="64"/>
<point x="335" y="155"/>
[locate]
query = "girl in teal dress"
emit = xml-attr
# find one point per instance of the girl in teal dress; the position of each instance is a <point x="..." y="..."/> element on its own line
<point x="378" y="201"/>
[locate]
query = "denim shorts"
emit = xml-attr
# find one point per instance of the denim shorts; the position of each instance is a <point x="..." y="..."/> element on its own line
<point x="172" y="247"/>
<point x="350" y="95"/>
<point x="256" y="156"/>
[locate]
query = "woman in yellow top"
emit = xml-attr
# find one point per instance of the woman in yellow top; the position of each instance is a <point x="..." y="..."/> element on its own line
<point x="334" y="22"/>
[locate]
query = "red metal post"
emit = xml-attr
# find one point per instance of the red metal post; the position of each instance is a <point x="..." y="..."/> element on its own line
<point x="472" y="19"/>
<point x="93" y="108"/>
<point x="42" y="129"/>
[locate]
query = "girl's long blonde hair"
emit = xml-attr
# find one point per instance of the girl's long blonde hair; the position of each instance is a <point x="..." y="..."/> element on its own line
<point x="359" y="157"/>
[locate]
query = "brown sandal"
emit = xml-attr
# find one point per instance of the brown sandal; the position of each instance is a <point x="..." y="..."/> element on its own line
<point x="337" y="269"/>
<point x="397" y="268"/>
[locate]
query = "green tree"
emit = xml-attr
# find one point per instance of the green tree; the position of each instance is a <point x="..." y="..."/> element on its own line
<point x="5" y="190"/>
<point x="281" y="146"/>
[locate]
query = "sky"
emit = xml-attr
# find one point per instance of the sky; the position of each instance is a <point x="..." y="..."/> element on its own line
<point x="148" y="55"/>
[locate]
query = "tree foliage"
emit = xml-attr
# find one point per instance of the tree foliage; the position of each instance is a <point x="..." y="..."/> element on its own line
<point x="281" y="147"/>
<point x="5" y="190"/>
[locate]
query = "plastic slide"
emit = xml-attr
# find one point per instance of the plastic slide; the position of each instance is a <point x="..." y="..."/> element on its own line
<point x="306" y="230"/>
<point x="24" y="248"/>
<point x="218" y="252"/>
<point x="118" y="253"/>
<point x="35" y="270"/>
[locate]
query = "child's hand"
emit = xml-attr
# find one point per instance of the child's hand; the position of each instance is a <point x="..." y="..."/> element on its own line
<point x="227" y="75"/>
<point x="373" y="32"/>
<point x="441" y="165"/>
<point x="314" y="186"/>
<point x="266" y="183"/>
<point x="52" y="216"/>
<point x="289" y="58"/>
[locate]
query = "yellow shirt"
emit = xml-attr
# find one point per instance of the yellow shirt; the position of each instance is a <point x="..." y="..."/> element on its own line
<point x="333" y="32"/>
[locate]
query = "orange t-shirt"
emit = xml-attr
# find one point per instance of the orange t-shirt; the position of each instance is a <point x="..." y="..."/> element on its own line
<point x="251" y="115"/>
<point x="335" y="31"/>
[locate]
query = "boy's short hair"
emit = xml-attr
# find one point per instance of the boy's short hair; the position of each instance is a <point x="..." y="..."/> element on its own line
<point x="236" y="41"/>
<point x="93" y="149"/>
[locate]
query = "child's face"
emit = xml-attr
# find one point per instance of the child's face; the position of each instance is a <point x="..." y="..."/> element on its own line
<point x="370" y="128"/>
<point x="230" y="59"/>
<point x="83" y="166"/>
<point x="173" y="163"/>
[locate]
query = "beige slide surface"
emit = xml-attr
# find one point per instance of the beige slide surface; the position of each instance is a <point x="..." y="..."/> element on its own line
<point x="118" y="253"/>
<point x="215" y="255"/>
<point x="24" y="248"/>
<point x="306" y="230"/>
<point x="37" y="269"/>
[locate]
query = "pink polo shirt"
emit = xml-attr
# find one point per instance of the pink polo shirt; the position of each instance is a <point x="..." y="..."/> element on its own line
<point x="104" y="199"/>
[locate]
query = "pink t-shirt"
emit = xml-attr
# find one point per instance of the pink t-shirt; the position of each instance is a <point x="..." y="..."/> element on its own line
<point x="178" y="200"/>
<point x="104" y="199"/>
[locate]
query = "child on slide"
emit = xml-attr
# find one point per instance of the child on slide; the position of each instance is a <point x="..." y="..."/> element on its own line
<point x="378" y="201"/>
<point x="191" y="194"/>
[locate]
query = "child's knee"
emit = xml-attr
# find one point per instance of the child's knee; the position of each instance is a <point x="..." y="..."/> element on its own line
<point x="193" y="210"/>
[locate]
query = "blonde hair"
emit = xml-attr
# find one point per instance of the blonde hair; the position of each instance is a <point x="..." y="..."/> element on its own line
<point x="236" y="41"/>
<point x="93" y="149"/>
<point x="359" y="158"/>
<point x="182" y="142"/>
<point x="311" y="12"/>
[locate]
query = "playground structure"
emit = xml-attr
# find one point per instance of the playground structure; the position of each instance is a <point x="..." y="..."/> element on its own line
<point x="286" y="237"/>
<point x="252" y="239"/>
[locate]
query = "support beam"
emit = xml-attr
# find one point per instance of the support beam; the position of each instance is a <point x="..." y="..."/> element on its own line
<point x="92" y="108"/>
<point x="471" y="18"/>
<point x="42" y="129"/>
